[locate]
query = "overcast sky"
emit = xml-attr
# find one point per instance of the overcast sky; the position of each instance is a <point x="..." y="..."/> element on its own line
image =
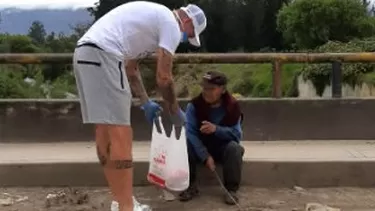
<point x="51" y="3"/>
<point x="46" y="3"/>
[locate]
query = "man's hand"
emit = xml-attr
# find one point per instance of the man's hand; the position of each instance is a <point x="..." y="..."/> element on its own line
<point x="152" y="110"/>
<point x="210" y="163"/>
<point x="207" y="127"/>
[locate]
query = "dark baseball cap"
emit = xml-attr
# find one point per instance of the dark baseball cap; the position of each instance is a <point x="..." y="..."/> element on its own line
<point x="215" y="78"/>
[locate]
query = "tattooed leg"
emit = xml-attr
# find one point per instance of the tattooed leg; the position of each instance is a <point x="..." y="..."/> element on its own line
<point x="123" y="164"/>
<point x="119" y="165"/>
<point x="102" y="143"/>
<point x="103" y="147"/>
<point x="115" y="160"/>
<point x="102" y="157"/>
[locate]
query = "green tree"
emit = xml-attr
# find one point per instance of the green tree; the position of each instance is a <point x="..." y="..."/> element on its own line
<point x="79" y="30"/>
<point x="308" y="24"/>
<point x="270" y="35"/>
<point x="37" y="32"/>
<point x="246" y="25"/>
<point x="60" y="44"/>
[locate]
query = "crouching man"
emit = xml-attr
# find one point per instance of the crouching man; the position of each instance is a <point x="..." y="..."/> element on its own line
<point x="214" y="132"/>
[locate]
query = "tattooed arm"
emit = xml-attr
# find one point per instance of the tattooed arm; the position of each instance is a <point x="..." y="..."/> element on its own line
<point x="135" y="80"/>
<point x="164" y="79"/>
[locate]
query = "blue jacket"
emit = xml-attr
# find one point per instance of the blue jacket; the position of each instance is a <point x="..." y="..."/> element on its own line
<point x="228" y="134"/>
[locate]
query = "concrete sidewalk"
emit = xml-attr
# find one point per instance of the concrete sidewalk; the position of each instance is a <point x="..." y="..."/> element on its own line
<point x="293" y="151"/>
<point x="271" y="163"/>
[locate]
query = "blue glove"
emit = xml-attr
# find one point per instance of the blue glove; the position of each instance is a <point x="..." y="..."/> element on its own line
<point x="179" y="118"/>
<point x="152" y="110"/>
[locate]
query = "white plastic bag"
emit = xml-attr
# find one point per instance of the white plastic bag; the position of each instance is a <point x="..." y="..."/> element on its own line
<point x="169" y="161"/>
<point x="158" y="156"/>
<point x="177" y="173"/>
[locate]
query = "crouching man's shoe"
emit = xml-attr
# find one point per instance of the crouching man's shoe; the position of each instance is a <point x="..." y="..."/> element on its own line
<point x="189" y="193"/>
<point x="137" y="206"/>
<point x="231" y="199"/>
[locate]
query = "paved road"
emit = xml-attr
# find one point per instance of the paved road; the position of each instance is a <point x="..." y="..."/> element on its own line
<point x="252" y="199"/>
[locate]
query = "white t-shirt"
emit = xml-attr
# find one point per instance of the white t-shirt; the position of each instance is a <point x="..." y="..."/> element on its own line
<point x="135" y="30"/>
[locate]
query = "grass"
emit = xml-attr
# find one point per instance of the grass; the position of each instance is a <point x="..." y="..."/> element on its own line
<point x="369" y="78"/>
<point x="255" y="80"/>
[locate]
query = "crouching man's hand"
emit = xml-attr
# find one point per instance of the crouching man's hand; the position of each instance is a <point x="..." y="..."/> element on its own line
<point x="210" y="163"/>
<point x="207" y="127"/>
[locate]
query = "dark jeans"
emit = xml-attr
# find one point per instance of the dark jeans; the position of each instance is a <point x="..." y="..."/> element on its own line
<point x="230" y="156"/>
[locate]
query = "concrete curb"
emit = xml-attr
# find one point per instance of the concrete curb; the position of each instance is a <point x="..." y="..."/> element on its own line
<point x="255" y="173"/>
<point x="27" y="121"/>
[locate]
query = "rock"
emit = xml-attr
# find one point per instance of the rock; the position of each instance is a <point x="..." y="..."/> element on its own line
<point x="168" y="196"/>
<point x="50" y="200"/>
<point x="72" y="196"/>
<point x="23" y="198"/>
<point x="85" y="208"/>
<point x="254" y="209"/>
<point x="297" y="188"/>
<point x="319" y="207"/>
<point x="11" y="199"/>
<point x="6" y="202"/>
<point x="275" y="203"/>
<point x="55" y="199"/>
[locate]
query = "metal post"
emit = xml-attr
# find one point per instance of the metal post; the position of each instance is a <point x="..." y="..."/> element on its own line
<point x="276" y="79"/>
<point x="336" y="79"/>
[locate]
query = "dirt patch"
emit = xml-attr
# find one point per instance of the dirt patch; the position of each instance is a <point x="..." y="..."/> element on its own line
<point x="252" y="199"/>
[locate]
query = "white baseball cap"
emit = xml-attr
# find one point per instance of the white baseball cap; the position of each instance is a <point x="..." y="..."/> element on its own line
<point x="199" y="20"/>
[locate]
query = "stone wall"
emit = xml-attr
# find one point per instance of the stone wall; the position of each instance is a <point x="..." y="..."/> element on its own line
<point x="265" y="119"/>
<point x="307" y="90"/>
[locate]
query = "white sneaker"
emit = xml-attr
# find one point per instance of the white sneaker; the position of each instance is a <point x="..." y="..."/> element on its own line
<point x="142" y="207"/>
<point x="137" y="206"/>
<point x="114" y="206"/>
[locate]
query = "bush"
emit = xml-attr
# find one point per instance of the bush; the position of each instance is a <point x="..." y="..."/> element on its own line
<point x="63" y="85"/>
<point x="306" y="24"/>
<point x="17" y="44"/>
<point x="353" y="73"/>
<point x="13" y="85"/>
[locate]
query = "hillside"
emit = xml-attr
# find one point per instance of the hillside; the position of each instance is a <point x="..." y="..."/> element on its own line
<point x="16" y="21"/>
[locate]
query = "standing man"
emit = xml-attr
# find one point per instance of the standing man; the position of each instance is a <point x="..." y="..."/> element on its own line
<point x="214" y="133"/>
<point x="106" y="69"/>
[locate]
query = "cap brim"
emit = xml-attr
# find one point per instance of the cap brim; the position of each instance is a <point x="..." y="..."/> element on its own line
<point x="208" y="84"/>
<point x="195" y="40"/>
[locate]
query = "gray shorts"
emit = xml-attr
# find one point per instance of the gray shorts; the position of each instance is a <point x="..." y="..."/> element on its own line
<point x="103" y="87"/>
